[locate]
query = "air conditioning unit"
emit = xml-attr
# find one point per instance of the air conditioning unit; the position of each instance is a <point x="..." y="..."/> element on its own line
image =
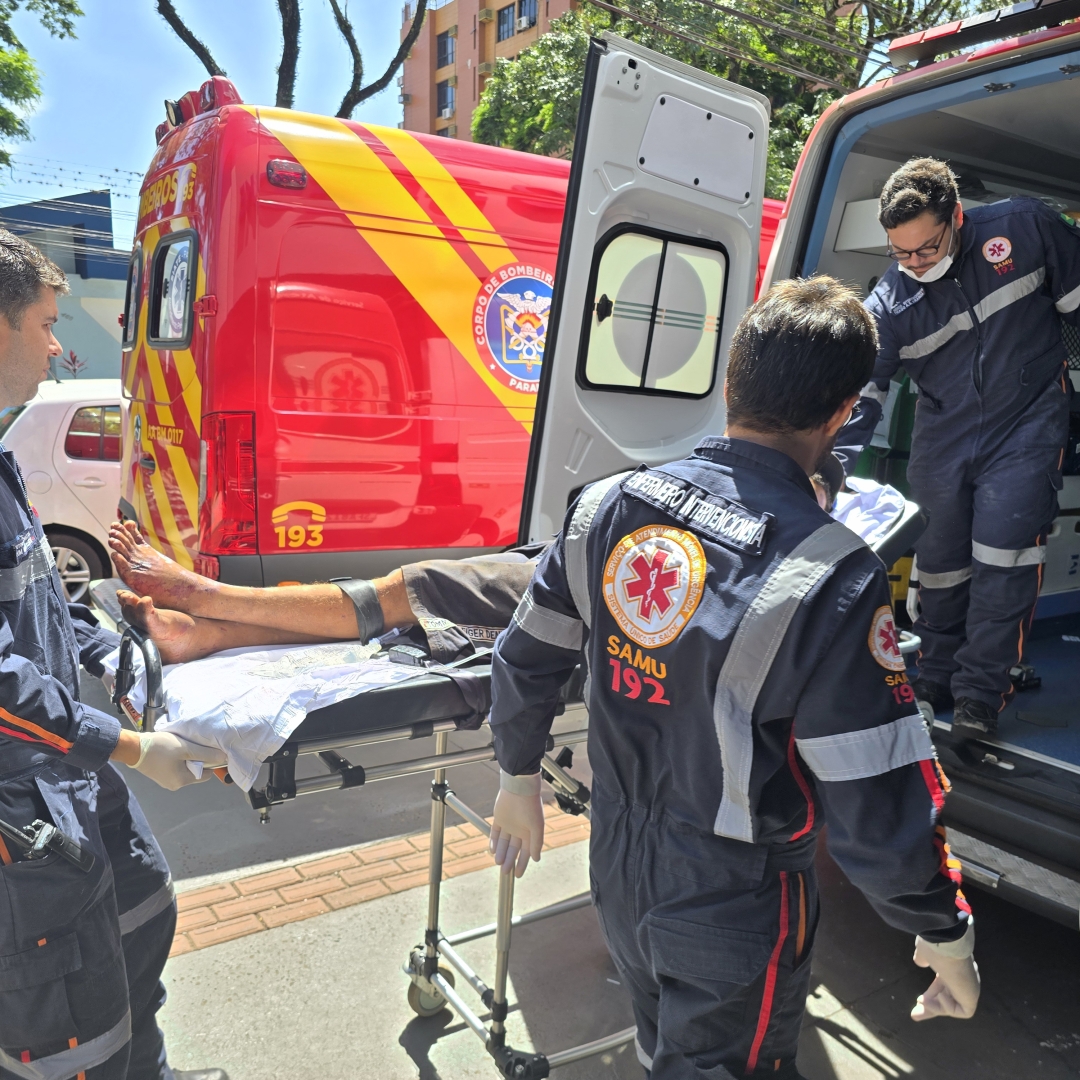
<point x="486" y="68"/>
<point x="446" y="113"/>
<point x="451" y="131"/>
<point x="404" y="99"/>
<point x="485" y="14"/>
<point x="525" y="23"/>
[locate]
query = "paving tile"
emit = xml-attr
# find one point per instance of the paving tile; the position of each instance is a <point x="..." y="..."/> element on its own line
<point x="294" y="912"/>
<point x="330" y="865"/>
<point x="181" y="945"/>
<point x="387" y="849"/>
<point x="261" y="882"/>
<point x="245" y="905"/>
<point x="305" y="890"/>
<point x="422" y="841"/>
<point x="357" y="894"/>
<point x="401" y="882"/>
<point x="225" y="931"/>
<point x="471" y="846"/>
<point x="481" y="861"/>
<point x="193" y="917"/>
<point x="369" y="873"/>
<point x="212" y="894"/>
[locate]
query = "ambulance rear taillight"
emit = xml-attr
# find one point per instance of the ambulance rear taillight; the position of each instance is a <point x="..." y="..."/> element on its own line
<point x="286" y="174"/>
<point x="227" y="485"/>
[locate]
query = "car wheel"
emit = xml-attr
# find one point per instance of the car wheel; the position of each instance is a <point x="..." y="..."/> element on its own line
<point x="78" y="563"/>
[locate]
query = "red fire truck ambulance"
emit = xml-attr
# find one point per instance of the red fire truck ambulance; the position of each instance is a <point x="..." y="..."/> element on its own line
<point x="333" y="339"/>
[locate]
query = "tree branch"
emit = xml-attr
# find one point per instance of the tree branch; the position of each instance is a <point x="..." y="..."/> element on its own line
<point x="290" y="51"/>
<point x="383" y="81"/>
<point x="352" y="95"/>
<point x="168" y="13"/>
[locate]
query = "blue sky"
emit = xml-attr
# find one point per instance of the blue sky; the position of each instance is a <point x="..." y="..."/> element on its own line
<point x="103" y="92"/>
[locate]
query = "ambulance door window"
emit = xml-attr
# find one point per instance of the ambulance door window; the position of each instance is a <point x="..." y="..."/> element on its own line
<point x="171" y="287"/>
<point x="653" y="315"/>
<point x="131" y="302"/>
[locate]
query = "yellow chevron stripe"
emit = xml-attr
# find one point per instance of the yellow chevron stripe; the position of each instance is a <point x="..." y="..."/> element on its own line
<point x="448" y="195"/>
<point x="352" y="174"/>
<point x="168" y="520"/>
<point x="185" y="481"/>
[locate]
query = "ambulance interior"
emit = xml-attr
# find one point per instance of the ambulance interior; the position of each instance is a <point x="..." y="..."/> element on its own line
<point x="1005" y="143"/>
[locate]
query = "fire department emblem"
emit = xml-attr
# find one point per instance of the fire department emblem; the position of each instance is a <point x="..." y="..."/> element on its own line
<point x="997" y="249"/>
<point x="510" y="321"/>
<point x="884" y="640"/>
<point x="653" y="581"/>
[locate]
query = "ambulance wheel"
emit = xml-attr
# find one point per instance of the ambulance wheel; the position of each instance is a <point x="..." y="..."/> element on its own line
<point x="425" y="1004"/>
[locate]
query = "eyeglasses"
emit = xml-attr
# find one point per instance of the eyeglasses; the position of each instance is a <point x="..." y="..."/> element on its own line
<point x="924" y="252"/>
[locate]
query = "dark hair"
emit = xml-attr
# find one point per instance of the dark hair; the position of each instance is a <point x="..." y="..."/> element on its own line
<point x="920" y="185"/>
<point x="798" y="354"/>
<point x="24" y="272"/>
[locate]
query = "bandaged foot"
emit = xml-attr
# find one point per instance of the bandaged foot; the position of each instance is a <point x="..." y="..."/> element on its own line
<point x="178" y="637"/>
<point x="149" y="573"/>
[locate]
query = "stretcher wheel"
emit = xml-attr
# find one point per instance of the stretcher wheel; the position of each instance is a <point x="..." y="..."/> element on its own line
<point x="424" y="1004"/>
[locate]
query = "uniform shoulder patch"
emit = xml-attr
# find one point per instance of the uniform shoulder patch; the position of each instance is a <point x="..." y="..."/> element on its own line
<point x="653" y="582"/>
<point x="708" y="515"/>
<point x="884" y="640"/>
<point x="997" y="249"/>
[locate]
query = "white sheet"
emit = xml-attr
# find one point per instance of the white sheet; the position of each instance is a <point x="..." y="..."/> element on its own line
<point x="869" y="509"/>
<point x="247" y="703"/>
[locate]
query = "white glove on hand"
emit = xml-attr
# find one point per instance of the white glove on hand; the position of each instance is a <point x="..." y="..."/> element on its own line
<point x="955" y="990"/>
<point x="517" y="828"/>
<point x="163" y="757"/>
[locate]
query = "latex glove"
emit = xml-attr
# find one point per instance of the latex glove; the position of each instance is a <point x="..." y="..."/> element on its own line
<point x="517" y="828"/>
<point x="955" y="990"/>
<point x="164" y="757"/>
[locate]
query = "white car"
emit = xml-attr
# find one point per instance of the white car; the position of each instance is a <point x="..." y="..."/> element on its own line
<point x="67" y="443"/>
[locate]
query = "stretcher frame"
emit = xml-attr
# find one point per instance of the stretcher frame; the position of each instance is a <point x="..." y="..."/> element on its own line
<point x="432" y="985"/>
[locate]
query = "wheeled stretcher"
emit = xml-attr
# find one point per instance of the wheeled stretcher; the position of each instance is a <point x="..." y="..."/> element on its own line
<point x="438" y="700"/>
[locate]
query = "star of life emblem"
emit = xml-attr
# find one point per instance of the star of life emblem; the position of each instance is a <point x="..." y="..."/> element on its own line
<point x="997" y="249"/>
<point x="884" y="640"/>
<point x="653" y="582"/>
<point x="510" y="322"/>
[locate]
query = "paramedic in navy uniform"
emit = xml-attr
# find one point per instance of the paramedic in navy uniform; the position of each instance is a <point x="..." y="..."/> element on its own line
<point x="81" y="953"/>
<point x="972" y="310"/>
<point x="746" y="689"/>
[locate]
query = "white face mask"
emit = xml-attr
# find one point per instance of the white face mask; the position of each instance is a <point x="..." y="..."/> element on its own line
<point x="938" y="270"/>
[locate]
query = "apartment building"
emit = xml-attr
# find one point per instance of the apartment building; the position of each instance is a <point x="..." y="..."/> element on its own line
<point x="442" y="78"/>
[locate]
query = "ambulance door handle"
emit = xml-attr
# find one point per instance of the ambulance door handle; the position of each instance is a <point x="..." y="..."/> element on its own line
<point x="89" y="482"/>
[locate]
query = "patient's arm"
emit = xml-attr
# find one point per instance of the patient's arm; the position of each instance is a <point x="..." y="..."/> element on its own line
<point x="181" y="637"/>
<point x="298" y="611"/>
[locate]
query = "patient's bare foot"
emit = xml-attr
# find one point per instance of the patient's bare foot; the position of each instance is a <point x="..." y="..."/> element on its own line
<point x="178" y="637"/>
<point x="147" y="572"/>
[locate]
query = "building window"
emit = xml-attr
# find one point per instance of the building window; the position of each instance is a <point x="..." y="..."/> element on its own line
<point x="654" y="313"/>
<point x="443" y="132"/>
<point x="94" y="434"/>
<point x="444" y="49"/>
<point x="505" y="28"/>
<point x="528" y="10"/>
<point x="444" y="97"/>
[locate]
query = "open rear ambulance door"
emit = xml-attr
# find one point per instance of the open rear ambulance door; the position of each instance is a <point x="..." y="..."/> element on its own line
<point x="657" y="263"/>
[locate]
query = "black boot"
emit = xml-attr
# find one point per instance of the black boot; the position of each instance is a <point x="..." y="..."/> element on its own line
<point x="974" y="719"/>
<point x="200" y="1074"/>
<point x="936" y="695"/>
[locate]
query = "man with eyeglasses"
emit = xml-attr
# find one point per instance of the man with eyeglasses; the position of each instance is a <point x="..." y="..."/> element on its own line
<point x="972" y="309"/>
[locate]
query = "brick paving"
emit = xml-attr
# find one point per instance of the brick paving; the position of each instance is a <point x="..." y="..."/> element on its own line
<point x="234" y="909"/>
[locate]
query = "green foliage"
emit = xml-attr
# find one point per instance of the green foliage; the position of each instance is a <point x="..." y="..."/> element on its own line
<point x="801" y="54"/>
<point x="20" y="83"/>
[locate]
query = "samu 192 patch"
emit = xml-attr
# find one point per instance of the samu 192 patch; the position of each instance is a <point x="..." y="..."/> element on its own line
<point x="884" y="640"/>
<point x="653" y="581"/>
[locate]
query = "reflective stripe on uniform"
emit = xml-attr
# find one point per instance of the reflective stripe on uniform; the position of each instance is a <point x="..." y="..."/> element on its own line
<point x="925" y="346"/>
<point x="874" y="392"/>
<point x="948" y="580"/>
<point x="643" y="1059"/>
<point x="576" y="543"/>
<point x="854" y="755"/>
<point x="551" y="627"/>
<point x="1009" y="294"/>
<point x="153" y="905"/>
<point x="750" y="658"/>
<point x="1069" y="302"/>
<point x="1007" y="557"/>
<point x="38" y="564"/>
<point x="69" y="1063"/>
